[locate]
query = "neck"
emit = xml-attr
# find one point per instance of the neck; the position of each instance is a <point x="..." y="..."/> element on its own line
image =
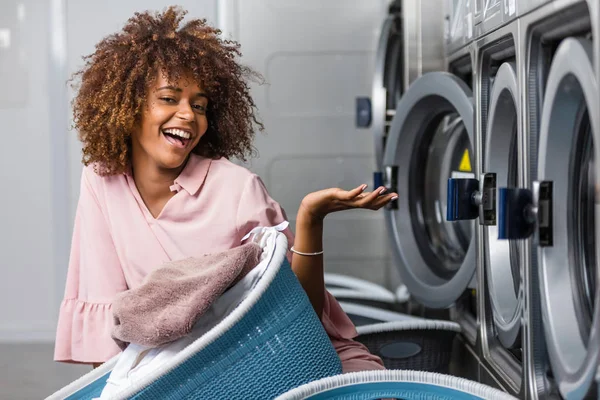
<point x="152" y="181"/>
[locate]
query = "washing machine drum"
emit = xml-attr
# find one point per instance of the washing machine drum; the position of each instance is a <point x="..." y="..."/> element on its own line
<point x="430" y="140"/>
<point x="568" y="217"/>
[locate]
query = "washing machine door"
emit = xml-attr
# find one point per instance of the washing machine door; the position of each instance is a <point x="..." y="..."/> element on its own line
<point x="387" y="81"/>
<point x="568" y="217"/>
<point x="430" y="140"/>
<point x="500" y="157"/>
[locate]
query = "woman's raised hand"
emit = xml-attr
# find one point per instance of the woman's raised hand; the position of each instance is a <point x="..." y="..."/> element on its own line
<point x="318" y="204"/>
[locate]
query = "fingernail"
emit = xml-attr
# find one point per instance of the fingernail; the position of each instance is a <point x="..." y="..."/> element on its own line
<point x="382" y="190"/>
<point x="363" y="187"/>
<point x="394" y="198"/>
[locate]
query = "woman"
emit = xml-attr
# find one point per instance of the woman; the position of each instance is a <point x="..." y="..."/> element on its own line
<point x="160" y="110"/>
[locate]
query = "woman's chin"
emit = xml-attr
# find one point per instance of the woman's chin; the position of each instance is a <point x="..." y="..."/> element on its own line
<point x="173" y="161"/>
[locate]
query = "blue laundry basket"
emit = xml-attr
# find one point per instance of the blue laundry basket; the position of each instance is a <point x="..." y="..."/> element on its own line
<point x="272" y="342"/>
<point x="395" y="384"/>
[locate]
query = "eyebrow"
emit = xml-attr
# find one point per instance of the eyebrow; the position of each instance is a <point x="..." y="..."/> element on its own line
<point x="176" y="89"/>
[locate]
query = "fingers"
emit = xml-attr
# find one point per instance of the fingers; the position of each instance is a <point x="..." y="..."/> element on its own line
<point x="377" y="199"/>
<point x="351" y="194"/>
<point x="357" y="191"/>
<point x="382" y="201"/>
<point x="357" y="198"/>
<point x="372" y="197"/>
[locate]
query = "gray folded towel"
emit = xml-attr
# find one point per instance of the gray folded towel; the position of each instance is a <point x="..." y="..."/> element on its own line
<point x="172" y="298"/>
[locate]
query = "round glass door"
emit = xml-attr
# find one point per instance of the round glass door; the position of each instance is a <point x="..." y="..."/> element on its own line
<point x="430" y="140"/>
<point x="582" y="223"/>
<point x="442" y="244"/>
<point x="568" y="269"/>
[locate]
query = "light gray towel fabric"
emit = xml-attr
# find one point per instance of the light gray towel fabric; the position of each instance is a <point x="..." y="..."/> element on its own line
<point x="172" y="298"/>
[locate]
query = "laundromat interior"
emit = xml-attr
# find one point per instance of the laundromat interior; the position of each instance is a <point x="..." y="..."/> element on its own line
<point x="479" y="280"/>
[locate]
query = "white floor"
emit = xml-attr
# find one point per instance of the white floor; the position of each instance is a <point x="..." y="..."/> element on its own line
<point x="27" y="371"/>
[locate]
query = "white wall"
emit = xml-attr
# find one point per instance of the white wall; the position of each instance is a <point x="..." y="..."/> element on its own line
<point x="27" y="289"/>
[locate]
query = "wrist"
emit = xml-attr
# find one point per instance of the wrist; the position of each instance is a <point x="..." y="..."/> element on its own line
<point x="307" y="218"/>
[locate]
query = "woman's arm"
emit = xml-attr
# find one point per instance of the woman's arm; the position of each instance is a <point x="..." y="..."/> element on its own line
<point x="309" y="269"/>
<point x="309" y="233"/>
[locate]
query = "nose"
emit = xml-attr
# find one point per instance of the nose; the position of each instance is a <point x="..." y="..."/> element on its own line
<point x="185" y="111"/>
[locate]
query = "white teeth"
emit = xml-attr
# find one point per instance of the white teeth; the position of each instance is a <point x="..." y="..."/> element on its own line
<point x="178" y="132"/>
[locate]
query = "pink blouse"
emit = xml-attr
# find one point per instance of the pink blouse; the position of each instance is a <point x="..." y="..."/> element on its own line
<point x="117" y="242"/>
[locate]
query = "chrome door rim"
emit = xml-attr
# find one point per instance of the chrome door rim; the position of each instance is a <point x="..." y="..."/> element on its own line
<point x="507" y="305"/>
<point x="574" y="364"/>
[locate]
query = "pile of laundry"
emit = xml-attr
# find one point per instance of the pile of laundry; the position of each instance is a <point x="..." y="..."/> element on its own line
<point x="179" y="302"/>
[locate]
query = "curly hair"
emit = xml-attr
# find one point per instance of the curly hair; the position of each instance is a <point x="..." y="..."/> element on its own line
<point x="116" y="77"/>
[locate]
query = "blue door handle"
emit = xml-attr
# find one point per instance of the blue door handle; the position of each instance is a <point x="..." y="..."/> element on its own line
<point x="461" y="203"/>
<point x="471" y="198"/>
<point x="522" y="211"/>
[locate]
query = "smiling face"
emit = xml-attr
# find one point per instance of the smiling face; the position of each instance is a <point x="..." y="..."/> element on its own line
<point x="172" y="123"/>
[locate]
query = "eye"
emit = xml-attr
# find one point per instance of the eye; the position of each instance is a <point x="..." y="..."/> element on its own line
<point x="199" y="107"/>
<point x="168" y="99"/>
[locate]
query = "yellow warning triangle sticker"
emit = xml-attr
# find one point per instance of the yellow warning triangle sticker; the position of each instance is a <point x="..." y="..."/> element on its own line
<point x="465" y="162"/>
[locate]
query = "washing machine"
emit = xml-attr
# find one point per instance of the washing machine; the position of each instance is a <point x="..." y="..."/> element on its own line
<point x="498" y="128"/>
<point x="430" y="140"/>
<point x="554" y="210"/>
<point x="533" y="191"/>
<point x="387" y="78"/>
<point x="408" y="47"/>
<point x="497" y="124"/>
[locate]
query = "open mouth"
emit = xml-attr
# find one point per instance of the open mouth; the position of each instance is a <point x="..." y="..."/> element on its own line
<point x="177" y="137"/>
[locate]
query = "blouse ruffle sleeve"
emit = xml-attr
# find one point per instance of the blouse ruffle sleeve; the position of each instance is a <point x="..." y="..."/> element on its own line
<point x="94" y="277"/>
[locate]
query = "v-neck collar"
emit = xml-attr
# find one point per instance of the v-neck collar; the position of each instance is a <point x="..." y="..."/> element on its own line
<point x="190" y="179"/>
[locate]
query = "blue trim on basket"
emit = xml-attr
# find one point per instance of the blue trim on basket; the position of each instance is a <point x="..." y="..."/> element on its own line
<point x="402" y="390"/>
<point x="91" y="390"/>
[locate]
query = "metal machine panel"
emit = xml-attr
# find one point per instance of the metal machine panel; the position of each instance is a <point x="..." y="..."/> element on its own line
<point x="388" y="78"/>
<point x="492" y="14"/>
<point x="525" y="6"/>
<point x="491" y="17"/>
<point x="423" y="28"/>
<point x="459" y="24"/>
